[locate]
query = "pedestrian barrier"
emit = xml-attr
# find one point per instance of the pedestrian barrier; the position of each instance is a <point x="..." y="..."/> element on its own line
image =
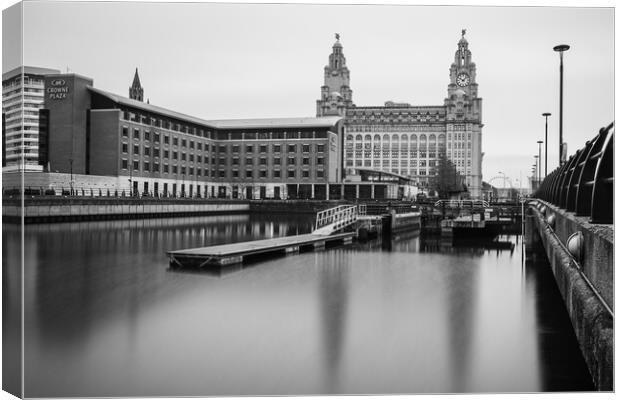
<point x="584" y="184"/>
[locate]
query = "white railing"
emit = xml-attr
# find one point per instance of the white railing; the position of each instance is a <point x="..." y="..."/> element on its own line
<point x="333" y="219"/>
<point x="461" y="203"/>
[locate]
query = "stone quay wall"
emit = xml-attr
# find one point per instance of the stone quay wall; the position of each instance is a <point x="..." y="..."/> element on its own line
<point x="82" y="209"/>
<point x="586" y="283"/>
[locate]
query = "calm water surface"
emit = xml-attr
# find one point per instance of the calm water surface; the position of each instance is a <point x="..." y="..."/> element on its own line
<point x="106" y="316"/>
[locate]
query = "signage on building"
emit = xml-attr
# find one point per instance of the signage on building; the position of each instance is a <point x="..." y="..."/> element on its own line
<point x="57" y="89"/>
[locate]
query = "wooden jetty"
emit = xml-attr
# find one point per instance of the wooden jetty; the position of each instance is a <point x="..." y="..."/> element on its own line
<point x="233" y="253"/>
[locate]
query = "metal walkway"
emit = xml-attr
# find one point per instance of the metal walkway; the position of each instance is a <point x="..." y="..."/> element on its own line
<point x="334" y="219"/>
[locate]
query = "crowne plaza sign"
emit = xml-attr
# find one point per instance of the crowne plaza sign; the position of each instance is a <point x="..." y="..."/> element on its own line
<point x="57" y="89"/>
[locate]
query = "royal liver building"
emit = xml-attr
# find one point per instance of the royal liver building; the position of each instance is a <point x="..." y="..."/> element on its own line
<point x="405" y="139"/>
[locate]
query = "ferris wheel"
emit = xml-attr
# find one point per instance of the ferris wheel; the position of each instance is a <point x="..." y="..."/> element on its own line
<point x="505" y="182"/>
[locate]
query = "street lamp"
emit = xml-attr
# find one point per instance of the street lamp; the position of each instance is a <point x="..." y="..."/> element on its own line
<point x="71" y="172"/>
<point x="561" y="48"/>
<point x="539" y="168"/>
<point x="546" y="115"/>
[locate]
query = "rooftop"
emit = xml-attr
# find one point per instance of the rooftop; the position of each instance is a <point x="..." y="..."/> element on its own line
<point x="223" y="123"/>
<point x="28" y="70"/>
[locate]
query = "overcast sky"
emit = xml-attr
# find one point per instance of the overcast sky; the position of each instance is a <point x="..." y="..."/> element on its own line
<point x="219" y="61"/>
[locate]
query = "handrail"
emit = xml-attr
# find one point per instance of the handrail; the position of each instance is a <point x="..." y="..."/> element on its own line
<point x="336" y="218"/>
<point x="584" y="184"/>
<point x="461" y="203"/>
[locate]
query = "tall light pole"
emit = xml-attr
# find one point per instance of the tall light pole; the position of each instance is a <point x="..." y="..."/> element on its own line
<point x="540" y="163"/>
<point x="546" y="115"/>
<point x="561" y="48"/>
<point x="537" y="166"/>
<point x="71" y="172"/>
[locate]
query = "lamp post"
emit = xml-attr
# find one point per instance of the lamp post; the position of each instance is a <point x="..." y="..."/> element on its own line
<point x="537" y="176"/>
<point x="546" y="115"/>
<point x="540" y="163"/>
<point x="71" y="173"/>
<point x="561" y="48"/>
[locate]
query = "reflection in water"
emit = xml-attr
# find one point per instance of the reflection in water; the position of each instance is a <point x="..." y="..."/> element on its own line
<point x="333" y="296"/>
<point x="106" y="316"/>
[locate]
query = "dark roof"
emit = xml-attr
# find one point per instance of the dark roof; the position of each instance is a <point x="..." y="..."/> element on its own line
<point x="324" y="122"/>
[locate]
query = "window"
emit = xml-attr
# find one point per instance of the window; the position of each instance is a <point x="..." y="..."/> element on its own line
<point x="276" y="173"/>
<point x="291" y="173"/>
<point x="222" y="173"/>
<point x="248" y="173"/>
<point x="125" y="131"/>
<point x="147" y="151"/>
<point x="156" y="137"/>
<point x="165" y="168"/>
<point x="248" y="161"/>
<point x="291" y="161"/>
<point x="306" y="161"/>
<point x="166" y="153"/>
<point x="191" y="158"/>
<point x="136" y="149"/>
<point x="320" y="174"/>
<point x="136" y="165"/>
<point x="263" y="173"/>
<point x="198" y="158"/>
<point x="263" y="148"/>
<point x="191" y="144"/>
<point x="235" y="148"/>
<point x="125" y="147"/>
<point x="146" y="166"/>
<point x="175" y="141"/>
<point x="155" y="167"/>
<point x="183" y="170"/>
<point x="292" y="148"/>
<point x="175" y="169"/>
<point x="147" y="135"/>
<point x="305" y="148"/>
<point x="124" y="164"/>
<point x="235" y="173"/>
<point x="199" y="145"/>
<point x="155" y="152"/>
<point x="183" y="143"/>
<point x="276" y="161"/>
<point x="320" y="148"/>
<point x="319" y="160"/>
<point x="263" y="161"/>
<point x="175" y="155"/>
<point x="136" y="133"/>
<point x="276" y="148"/>
<point x="166" y="139"/>
<point x="305" y="174"/>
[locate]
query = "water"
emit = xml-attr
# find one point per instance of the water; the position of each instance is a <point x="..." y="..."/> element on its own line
<point x="106" y="316"/>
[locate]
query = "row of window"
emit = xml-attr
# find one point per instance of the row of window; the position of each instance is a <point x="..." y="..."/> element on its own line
<point x="146" y="151"/>
<point x="191" y="171"/>
<point x="392" y="154"/>
<point x="394" y="137"/>
<point x="248" y="148"/>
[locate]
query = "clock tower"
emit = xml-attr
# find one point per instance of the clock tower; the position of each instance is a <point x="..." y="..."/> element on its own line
<point x="464" y="118"/>
<point x="336" y="95"/>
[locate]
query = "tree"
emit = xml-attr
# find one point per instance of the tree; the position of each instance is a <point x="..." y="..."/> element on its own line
<point x="446" y="180"/>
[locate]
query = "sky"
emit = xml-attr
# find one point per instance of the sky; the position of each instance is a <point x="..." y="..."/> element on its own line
<point x="226" y="60"/>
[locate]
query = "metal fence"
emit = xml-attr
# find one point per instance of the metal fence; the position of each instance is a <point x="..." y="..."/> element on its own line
<point x="585" y="183"/>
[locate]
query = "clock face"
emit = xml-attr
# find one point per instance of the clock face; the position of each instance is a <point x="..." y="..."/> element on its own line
<point x="462" y="80"/>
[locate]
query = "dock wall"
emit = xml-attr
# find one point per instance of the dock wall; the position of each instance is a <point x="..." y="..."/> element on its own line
<point x="80" y="209"/>
<point x="586" y="284"/>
